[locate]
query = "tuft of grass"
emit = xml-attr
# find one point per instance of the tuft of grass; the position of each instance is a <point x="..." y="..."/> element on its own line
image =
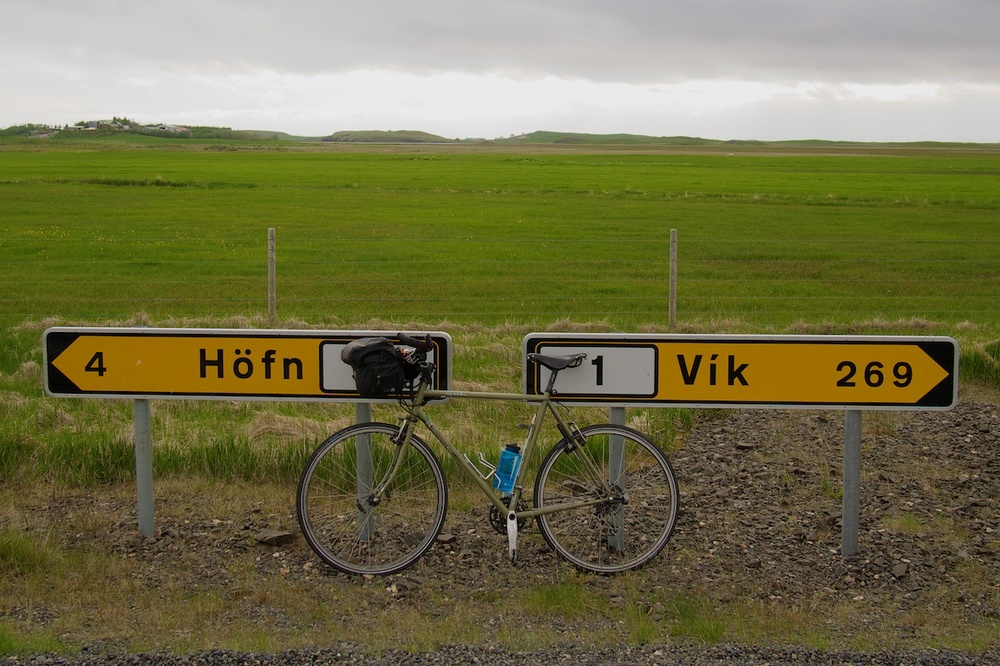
<point x="88" y="460"/>
<point x="695" y="619"/>
<point x="566" y="599"/>
<point x="15" y="643"/>
<point x="905" y="522"/>
<point x="880" y="422"/>
<point x="235" y="458"/>
<point x="981" y="363"/>
<point x="831" y="488"/>
<point x="21" y="554"/>
<point x="761" y="623"/>
<point x="16" y="451"/>
<point x="640" y="624"/>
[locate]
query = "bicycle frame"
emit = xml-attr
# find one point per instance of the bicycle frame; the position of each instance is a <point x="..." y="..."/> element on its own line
<point x="545" y="404"/>
<point x="373" y="496"/>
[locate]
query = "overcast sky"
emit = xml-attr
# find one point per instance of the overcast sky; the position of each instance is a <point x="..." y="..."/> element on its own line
<point x="865" y="70"/>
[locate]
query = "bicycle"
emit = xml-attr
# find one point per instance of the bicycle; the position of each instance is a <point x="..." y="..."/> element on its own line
<point x="372" y="498"/>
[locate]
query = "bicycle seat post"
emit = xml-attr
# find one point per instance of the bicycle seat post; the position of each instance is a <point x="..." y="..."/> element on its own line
<point x="551" y="386"/>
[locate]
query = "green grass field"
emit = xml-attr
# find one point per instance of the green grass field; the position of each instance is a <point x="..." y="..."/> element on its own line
<point x="495" y="236"/>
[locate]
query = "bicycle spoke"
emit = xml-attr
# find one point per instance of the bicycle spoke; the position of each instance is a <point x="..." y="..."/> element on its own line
<point x="350" y="528"/>
<point x="631" y="524"/>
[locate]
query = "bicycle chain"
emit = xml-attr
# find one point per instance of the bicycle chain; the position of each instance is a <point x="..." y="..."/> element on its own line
<point x="498" y="521"/>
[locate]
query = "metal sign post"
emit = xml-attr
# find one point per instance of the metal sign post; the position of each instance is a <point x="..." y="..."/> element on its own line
<point x="852" y="484"/>
<point x="144" y="467"/>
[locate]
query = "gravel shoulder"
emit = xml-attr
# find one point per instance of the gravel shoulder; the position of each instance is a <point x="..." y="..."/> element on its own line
<point x="760" y="526"/>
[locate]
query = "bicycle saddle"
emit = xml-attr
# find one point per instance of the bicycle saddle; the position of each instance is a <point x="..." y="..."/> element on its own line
<point x="558" y="362"/>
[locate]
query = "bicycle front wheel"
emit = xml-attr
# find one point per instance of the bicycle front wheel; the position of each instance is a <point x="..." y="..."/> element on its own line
<point x="347" y="524"/>
<point x="600" y="530"/>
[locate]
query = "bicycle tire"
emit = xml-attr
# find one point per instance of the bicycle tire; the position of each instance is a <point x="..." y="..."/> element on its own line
<point x="350" y="530"/>
<point x="621" y="532"/>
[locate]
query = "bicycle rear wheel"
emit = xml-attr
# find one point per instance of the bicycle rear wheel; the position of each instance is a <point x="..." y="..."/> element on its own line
<point x="351" y="529"/>
<point x="613" y="532"/>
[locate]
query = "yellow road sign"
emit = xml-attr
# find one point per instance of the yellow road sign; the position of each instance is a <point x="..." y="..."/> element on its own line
<point x="207" y="363"/>
<point x="874" y="372"/>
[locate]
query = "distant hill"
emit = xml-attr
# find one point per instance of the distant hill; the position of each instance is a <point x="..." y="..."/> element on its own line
<point x="377" y="136"/>
<point x="611" y="141"/>
<point x="123" y="129"/>
<point x="241" y="135"/>
<point x="579" y="138"/>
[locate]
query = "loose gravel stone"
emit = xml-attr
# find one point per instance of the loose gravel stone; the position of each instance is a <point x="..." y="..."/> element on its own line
<point x="658" y="655"/>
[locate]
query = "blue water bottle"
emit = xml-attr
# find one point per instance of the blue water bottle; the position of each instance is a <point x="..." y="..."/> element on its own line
<point x="510" y="462"/>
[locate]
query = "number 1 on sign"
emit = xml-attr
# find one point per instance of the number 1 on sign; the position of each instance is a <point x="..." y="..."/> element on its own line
<point x="599" y="364"/>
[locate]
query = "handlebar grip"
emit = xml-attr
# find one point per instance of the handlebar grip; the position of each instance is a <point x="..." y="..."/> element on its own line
<point x="417" y="343"/>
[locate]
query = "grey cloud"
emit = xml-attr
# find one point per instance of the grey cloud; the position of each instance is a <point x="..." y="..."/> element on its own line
<point x="624" y="40"/>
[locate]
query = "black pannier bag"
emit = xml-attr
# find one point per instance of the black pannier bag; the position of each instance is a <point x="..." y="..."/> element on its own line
<point x="378" y="366"/>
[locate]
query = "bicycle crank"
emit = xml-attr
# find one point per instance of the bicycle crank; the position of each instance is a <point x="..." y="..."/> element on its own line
<point x="498" y="520"/>
<point x="512" y="536"/>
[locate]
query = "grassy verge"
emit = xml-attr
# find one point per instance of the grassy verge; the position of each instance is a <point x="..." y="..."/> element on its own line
<point x="64" y="588"/>
<point x="90" y="442"/>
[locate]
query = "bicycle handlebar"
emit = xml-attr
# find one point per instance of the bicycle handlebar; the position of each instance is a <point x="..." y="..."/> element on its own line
<point x="419" y="344"/>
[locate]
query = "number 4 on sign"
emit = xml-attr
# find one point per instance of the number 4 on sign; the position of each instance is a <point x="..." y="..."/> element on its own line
<point x="96" y="364"/>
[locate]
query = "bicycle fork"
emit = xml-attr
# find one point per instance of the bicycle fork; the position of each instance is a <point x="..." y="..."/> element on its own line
<point x="371" y="491"/>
